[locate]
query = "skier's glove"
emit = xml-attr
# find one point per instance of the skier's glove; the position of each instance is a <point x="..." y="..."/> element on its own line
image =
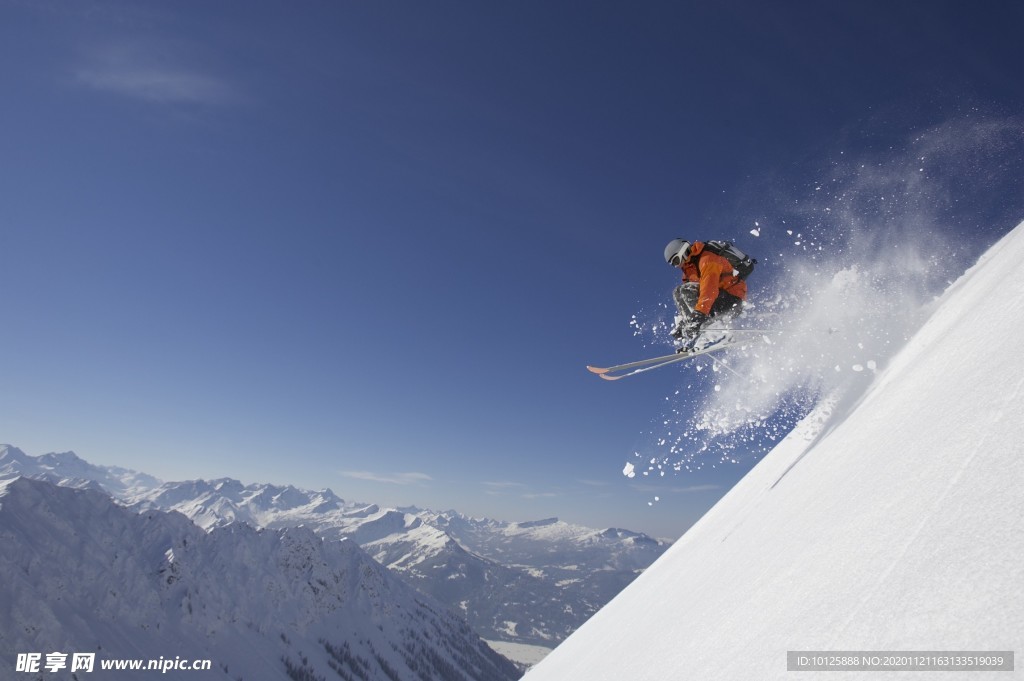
<point x="690" y="329"/>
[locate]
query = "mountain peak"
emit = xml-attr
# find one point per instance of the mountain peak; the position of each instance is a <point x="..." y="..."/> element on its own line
<point x="61" y="458"/>
<point x="9" y="454"/>
<point x="73" y="471"/>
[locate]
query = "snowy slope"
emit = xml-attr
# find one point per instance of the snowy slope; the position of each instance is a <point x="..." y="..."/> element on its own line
<point x="82" y="574"/>
<point x="894" y="524"/>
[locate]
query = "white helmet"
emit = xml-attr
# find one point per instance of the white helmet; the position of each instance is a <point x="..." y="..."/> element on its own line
<point x="677" y="252"/>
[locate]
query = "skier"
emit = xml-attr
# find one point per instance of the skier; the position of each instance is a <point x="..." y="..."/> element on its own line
<point x="713" y="285"/>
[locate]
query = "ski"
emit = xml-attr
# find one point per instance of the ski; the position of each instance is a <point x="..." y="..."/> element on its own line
<point x="631" y="365"/>
<point x="612" y="373"/>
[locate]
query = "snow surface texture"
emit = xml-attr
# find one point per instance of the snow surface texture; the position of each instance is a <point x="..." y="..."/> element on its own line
<point x="896" y="523"/>
<point x="81" y="574"/>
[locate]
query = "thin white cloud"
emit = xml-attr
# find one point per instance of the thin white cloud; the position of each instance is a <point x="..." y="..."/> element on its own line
<point x="389" y="478"/>
<point x="156" y="85"/>
<point x="134" y="72"/>
<point x="496" y="488"/>
<point x="503" y="485"/>
<point x="541" y="495"/>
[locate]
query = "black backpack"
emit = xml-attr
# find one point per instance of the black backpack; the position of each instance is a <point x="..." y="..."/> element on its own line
<point x="742" y="264"/>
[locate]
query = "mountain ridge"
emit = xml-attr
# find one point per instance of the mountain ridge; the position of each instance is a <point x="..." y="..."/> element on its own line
<point x="87" y="575"/>
<point x="529" y="582"/>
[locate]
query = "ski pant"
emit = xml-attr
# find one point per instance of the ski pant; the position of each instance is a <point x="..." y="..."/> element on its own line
<point x="686" y="294"/>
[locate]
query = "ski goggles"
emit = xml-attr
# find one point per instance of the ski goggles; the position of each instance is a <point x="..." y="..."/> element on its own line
<point x="680" y="257"/>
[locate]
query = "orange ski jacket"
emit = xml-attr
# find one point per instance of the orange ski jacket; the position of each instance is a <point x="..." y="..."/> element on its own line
<point x="714" y="273"/>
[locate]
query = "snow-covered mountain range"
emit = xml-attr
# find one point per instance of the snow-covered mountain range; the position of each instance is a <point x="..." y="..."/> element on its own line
<point x="82" y="574"/>
<point x="893" y="522"/>
<point x="531" y="582"/>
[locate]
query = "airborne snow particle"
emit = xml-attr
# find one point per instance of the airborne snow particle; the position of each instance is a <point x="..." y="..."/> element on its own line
<point x="628" y="470"/>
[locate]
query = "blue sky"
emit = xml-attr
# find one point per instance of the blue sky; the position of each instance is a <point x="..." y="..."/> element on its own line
<point x="371" y="246"/>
